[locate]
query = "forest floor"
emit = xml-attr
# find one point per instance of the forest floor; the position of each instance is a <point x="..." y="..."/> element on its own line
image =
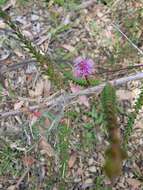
<point x="63" y="147"/>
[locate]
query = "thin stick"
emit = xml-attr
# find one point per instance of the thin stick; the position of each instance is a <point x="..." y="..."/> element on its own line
<point x="120" y="69"/>
<point x="21" y="178"/>
<point x="67" y="99"/>
<point x="135" y="46"/>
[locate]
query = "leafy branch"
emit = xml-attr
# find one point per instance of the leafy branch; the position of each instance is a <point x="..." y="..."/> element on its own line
<point x="114" y="153"/>
<point x="66" y="99"/>
<point x="42" y="59"/>
<point x="132" y="117"/>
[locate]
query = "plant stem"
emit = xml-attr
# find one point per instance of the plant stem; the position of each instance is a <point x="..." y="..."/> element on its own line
<point x="121" y="69"/>
<point x="87" y="80"/>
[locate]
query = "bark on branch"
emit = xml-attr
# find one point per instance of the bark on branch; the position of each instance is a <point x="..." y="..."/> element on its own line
<point x="65" y="100"/>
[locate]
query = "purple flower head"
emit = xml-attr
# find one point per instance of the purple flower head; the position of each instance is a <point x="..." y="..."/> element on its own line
<point x="83" y="67"/>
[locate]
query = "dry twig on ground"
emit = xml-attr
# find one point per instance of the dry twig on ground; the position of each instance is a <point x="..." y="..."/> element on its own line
<point x="67" y="99"/>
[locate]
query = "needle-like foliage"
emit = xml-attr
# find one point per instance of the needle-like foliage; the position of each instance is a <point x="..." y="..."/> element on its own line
<point x="114" y="153"/>
<point x="132" y="117"/>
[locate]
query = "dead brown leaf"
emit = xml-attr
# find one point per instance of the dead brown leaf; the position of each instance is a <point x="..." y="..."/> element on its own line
<point x="82" y="100"/>
<point x="47" y="87"/>
<point x="38" y="89"/>
<point x="80" y="172"/>
<point x="134" y="183"/>
<point x="18" y="105"/>
<point x="12" y="187"/>
<point x="72" y="160"/>
<point x="45" y="147"/>
<point x="2" y="24"/>
<point x="47" y="122"/>
<point x="28" y="160"/>
<point x="139" y="124"/>
<point x="42" y="129"/>
<point x="124" y="95"/>
<point x="55" y="188"/>
<point x="28" y="34"/>
<point x="68" y="47"/>
<point x="19" y="53"/>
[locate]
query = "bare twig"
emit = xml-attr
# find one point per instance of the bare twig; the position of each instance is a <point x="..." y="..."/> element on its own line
<point x="135" y="46"/>
<point x="67" y="99"/>
<point x="21" y="178"/>
<point x="105" y="70"/>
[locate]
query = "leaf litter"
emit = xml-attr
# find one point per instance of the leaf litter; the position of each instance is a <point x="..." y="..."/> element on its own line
<point x="86" y="37"/>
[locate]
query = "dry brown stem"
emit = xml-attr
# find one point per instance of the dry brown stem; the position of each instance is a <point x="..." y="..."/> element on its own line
<point x="65" y="100"/>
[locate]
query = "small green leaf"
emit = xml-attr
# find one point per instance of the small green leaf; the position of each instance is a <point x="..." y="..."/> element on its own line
<point x="88" y="126"/>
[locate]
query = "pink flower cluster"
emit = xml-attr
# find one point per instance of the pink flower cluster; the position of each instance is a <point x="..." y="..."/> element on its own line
<point x="83" y="67"/>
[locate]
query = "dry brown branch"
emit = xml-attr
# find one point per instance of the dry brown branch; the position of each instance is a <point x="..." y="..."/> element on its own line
<point x="67" y="99"/>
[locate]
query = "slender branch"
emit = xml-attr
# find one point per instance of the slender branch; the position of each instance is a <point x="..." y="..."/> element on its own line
<point x="135" y="46"/>
<point x="67" y="99"/>
<point x="21" y="178"/>
<point x="120" y="69"/>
